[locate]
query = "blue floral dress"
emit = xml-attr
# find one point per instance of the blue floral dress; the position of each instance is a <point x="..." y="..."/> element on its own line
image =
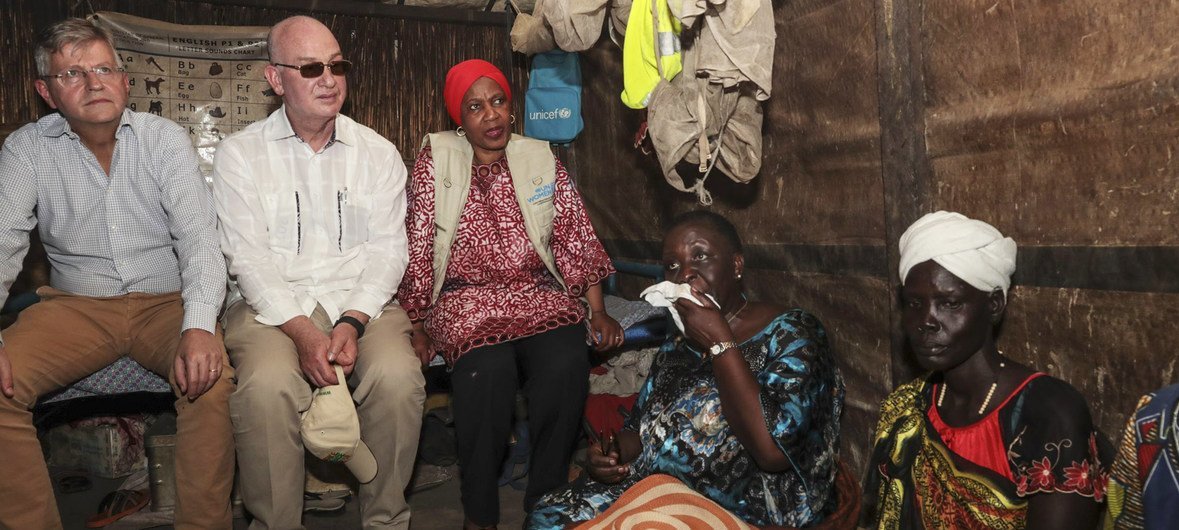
<point x="684" y="433"/>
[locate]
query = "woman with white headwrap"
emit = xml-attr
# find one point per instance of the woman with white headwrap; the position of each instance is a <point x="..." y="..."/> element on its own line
<point x="981" y="441"/>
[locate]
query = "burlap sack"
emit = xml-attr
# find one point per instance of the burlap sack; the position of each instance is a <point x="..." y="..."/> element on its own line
<point x="530" y="35"/>
<point x="571" y="25"/>
<point x="576" y="24"/>
<point x="619" y="15"/>
<point x="687" y="108"/>
<point x="736" y="40"/>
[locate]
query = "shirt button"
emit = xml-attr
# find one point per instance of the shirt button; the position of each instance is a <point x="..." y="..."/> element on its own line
<point x="113" y="227"/>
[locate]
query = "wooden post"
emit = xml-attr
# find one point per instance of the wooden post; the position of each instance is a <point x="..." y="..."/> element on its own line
<point x="905" y="170"/>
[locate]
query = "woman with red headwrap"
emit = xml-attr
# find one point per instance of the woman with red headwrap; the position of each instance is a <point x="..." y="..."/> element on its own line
<point x="500" y="250"/>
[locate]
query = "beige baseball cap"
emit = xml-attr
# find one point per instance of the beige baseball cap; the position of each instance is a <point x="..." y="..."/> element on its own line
<point x="331" y="430"/>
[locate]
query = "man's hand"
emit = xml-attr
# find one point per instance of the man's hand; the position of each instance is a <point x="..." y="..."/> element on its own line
<point x="312" y="345"/>
<point x="5" y="374"/>
<point x="343" y="349"/>
<point x="198" y="362"/>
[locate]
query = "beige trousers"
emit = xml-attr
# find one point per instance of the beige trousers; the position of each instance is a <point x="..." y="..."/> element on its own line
<point x="66" y="337"/>
<point x="387" y="385"/>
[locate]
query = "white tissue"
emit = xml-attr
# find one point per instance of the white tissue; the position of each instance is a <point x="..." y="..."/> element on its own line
<point x="664" y="294"/>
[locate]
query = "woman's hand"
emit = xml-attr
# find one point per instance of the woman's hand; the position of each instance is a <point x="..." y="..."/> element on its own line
<point x="602" y="461"/>
<point x="704" y="325"/>
<point x="423" y="345"/>
<point x="605" y="333"/>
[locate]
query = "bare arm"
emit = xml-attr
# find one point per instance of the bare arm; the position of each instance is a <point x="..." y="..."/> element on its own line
<point x="312" y="346"/>
<point x="1062" y="511"/>
<point x="605" y="332"/>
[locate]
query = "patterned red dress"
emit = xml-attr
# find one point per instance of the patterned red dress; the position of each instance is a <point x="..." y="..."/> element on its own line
<point x="497" y="289"/>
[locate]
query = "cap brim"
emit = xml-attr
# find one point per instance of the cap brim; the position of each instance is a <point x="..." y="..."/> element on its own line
<point x="363" y="464"/>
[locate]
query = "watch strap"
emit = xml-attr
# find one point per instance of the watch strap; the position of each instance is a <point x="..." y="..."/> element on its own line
<point x="351" y="321"/>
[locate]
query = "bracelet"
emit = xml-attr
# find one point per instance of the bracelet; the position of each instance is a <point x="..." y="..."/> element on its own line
<point x="351" y="321"/>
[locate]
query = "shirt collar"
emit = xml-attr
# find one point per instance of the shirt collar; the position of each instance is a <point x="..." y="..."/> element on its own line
<point x="280" y="129"/>
<point x="60" y="126"/>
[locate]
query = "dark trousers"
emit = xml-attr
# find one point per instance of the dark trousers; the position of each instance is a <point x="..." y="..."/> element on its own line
<point x="555" y="369"/>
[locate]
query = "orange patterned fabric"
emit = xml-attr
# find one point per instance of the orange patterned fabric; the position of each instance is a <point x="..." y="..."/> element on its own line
<point x="660" y="502"/>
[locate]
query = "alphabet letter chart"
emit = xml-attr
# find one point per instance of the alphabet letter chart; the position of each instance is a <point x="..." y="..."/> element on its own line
<point x="209" y="79"/>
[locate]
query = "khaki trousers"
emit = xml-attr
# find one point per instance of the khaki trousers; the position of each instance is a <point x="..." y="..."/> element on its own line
<point x="387" y="385"/>
<point x="66" y="337"/>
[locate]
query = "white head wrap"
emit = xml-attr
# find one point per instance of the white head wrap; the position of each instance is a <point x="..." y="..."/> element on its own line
<point x="972" y="250"/>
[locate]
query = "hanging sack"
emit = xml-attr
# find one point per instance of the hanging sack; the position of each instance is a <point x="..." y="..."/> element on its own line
<point x="552" y="103"/>
<point x="577" y="24"/>
<point x="531" y="34"/>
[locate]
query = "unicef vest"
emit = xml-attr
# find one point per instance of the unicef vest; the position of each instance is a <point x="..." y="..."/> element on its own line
<point x="534" y="176"/>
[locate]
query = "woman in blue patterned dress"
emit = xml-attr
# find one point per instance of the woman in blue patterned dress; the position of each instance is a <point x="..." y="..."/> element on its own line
<point x="770" y="457"/>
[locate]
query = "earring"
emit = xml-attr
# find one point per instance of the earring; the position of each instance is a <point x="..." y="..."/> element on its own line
<point x="459" y="131"/>
<point x="512" y="119"/>
<point x="738" y="276"/>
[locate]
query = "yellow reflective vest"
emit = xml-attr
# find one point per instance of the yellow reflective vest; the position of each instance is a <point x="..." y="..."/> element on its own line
<point x="645" y="51"/>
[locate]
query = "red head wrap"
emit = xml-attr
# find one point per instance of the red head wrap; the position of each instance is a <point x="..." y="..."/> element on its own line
<point x="460" y="78"/>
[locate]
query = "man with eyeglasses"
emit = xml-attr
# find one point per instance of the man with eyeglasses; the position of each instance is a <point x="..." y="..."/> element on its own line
<point x="129" y="227"/>
<point x="312" y="208"/>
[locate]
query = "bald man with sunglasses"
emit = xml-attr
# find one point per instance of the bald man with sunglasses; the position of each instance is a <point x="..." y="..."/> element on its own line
<point x="312" y="209"/>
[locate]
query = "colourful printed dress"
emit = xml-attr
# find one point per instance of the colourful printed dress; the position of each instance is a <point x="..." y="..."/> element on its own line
<point x="497" y="289"/>
<point x="1144" y="480"/>
<point x="685" y="435"/>
<point x="1048" y="445"/>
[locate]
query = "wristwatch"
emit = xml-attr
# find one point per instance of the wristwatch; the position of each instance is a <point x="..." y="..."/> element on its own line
<point x="720" y="348"/>
<point x="351" y="321"/>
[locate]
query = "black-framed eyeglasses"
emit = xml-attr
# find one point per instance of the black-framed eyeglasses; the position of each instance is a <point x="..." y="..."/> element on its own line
<point x="313" y="70"/>
<point x="75" y="76"/>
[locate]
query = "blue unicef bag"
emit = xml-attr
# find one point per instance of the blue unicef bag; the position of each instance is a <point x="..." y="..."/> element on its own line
<point x="552" y="103"/>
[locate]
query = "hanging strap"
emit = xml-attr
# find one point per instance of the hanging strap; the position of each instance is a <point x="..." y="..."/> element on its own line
<point x="655" y="27"/>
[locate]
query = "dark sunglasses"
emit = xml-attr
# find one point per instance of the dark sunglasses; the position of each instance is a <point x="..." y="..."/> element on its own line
<point x="313" y="70"/>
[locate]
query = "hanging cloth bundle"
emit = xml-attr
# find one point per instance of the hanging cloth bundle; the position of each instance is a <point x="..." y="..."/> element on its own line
<point x="713" y="117"/>
<point x="571" y="25"/>
<point x="736" y="41"/>
<point x="530" y="34"/>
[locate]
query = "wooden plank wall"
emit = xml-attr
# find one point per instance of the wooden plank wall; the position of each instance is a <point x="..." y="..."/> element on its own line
<point x="1057" y="122"/>
<point x="1054" y="121"/>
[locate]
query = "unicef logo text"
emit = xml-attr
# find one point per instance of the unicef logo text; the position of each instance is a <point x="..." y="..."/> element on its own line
<point x="562" y="113"/>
